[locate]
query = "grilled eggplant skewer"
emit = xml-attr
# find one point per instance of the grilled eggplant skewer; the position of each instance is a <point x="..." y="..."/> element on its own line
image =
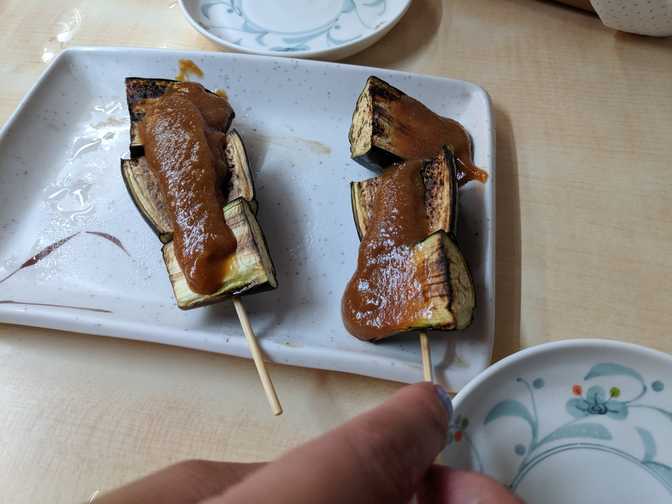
<point x="252" y="267"/>
<point x="390" y="129"/>
<point x="190" y="179"/>
<point x="446" y="283"/>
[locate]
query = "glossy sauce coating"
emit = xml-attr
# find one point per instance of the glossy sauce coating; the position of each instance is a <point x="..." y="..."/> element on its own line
<point x="386" y="291"/>
<point x="184" y="139"/>
<point x="429" y="133"/>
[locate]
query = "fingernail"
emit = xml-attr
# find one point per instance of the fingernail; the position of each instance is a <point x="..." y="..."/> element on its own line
<point x="445" y="399"/>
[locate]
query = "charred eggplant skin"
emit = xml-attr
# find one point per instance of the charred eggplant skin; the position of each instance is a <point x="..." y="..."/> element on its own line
<point x="452" y="227"/>
<point x="441" y="194"/>
<point x="376" y="123"/>
<point x="240" y="166"/>
<point x="139" y="89"/>
<point x="375" y="158"/>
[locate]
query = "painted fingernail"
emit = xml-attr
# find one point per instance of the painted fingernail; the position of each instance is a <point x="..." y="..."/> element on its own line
<point x="445" y="399"/>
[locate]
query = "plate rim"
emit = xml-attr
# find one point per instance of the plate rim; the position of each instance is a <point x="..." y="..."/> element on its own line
<point x="341" y="51"/>
<point x="550" y="347"/>
<point x="481" y="402"/>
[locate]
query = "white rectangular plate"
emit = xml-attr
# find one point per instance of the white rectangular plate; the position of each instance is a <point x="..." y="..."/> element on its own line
<point x="59" y="175"/>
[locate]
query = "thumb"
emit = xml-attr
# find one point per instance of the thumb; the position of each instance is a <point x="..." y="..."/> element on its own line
<point x="443" y="485"/>
<point x="378" y="457"/>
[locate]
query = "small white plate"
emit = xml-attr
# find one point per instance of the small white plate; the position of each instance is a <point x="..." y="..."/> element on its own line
<point x="580" y="421"/>
<point x="59" y="175"/>
<point x="327" y="29"/>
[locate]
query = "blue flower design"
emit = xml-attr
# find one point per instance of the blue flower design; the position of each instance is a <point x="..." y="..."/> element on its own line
<point x="597" y="402"/>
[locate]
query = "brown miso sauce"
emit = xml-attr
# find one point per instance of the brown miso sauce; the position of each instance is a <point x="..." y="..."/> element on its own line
<point x="386" y="291"/>
<point x="187" y="67"/>
<point x="429" y="132"/>
<point x="183" y="135"/>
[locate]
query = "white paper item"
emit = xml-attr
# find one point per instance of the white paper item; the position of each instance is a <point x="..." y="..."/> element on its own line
<point x="645" y="17"/>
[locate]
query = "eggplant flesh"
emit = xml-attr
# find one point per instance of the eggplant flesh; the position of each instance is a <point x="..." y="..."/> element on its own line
<point x="247" y="271"/>
<point x="440" y="196"/>
<point x="451" y="292"/>
<point x="143" y="186"/>
<point x="451" y="295"/>
<point x="389" y="127"/>
<point x="240" y="183"/>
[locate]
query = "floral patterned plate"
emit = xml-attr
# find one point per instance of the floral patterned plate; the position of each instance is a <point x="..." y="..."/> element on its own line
<point x="578" y="421"/>
<point x="329" y="29"/>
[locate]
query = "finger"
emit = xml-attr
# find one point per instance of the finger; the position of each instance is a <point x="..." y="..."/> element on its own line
<point x="379" y="457"/>
<point x="187" y="482"/>
<point x="443" y="485"/>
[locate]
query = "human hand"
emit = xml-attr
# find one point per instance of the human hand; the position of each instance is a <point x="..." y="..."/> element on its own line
<point x="383" y="456"/>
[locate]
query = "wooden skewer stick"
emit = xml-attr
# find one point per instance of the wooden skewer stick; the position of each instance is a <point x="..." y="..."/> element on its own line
<point x="257" y="357"/>
<point x="427" y="369"/>
<point x="426" y="357"/>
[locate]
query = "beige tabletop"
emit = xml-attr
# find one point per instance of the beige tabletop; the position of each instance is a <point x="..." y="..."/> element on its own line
<point x="584" y="239"/>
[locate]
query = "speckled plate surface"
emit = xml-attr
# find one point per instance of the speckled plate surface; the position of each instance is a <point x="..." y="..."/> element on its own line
<point x="327" y="29"/>
<point x="92" y="264"/>
<point x="580" y="421"/>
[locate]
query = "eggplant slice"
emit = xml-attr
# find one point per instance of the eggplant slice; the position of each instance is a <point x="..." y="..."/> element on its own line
<point x="462" y="291"/>
<point x="389" y="126"/>
<point x="441" y="194"/>
<point x="141" y="92"/>
<point x="144" y="189"/>
<point x="250" y="269"/>
<point x="452" y="293"/>
<point x="452" y="297"/>
<point x="370" y="144"/>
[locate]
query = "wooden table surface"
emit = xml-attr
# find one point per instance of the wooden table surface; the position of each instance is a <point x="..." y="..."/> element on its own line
<point x="584" y="239"/>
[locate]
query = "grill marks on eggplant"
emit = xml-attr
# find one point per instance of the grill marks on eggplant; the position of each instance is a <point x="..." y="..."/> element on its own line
<point x="138" y="92"/>
<point x="440" y="194"/>
<point x="389" y="127"/>
<point x="247" y="271"/>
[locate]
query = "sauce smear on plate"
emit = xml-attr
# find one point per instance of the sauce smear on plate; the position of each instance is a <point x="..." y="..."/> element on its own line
<point x="186" y="68"/>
